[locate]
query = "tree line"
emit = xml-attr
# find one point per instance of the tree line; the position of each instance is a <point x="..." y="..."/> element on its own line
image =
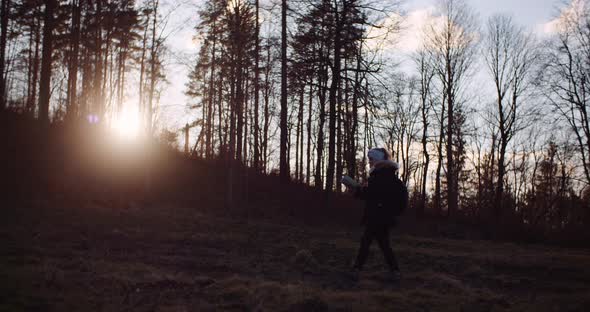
<point x="514" y="150"/>
<point x="489" y="124"/>
<point x="70" y="60"/>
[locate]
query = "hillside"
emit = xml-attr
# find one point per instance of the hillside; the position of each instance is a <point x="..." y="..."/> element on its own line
<point x="66" y="255"/>
<point x="90" y="223"/>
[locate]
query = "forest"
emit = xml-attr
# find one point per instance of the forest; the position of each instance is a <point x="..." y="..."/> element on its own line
<point x="487" y="119"/>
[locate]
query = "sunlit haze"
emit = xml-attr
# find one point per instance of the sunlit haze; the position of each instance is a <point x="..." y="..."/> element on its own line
<point x="126" y="125"/>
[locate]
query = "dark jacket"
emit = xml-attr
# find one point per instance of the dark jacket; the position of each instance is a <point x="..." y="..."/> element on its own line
<point x="385" y="195"/>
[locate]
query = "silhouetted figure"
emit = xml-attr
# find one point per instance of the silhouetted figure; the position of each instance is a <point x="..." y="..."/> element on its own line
<point x="386" y="197"/>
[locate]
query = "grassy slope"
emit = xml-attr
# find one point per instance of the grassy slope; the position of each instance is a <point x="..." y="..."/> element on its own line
<point x="117" y="256"/>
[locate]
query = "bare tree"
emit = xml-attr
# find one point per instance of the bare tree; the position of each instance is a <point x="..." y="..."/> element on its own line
<point x="452" y="45"/>
<point x="510" y="55"/>
<point x="401" y="117"/>
<point x="426" y="75"/>
<point x="565" y="78"/>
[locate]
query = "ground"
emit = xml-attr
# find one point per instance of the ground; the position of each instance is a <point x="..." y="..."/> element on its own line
<point x="139" y="256"/>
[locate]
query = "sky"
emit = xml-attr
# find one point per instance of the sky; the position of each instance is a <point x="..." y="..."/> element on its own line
<point x="535" y="15"/>
<point x="526" y="12"/>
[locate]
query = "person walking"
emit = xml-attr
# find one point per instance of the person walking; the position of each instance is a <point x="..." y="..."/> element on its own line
<point x="386" y="197"/>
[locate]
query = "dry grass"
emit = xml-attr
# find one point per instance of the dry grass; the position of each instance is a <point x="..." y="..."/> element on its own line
<point x="66" y="256"/>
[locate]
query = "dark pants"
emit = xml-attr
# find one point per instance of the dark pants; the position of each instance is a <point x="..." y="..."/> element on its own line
<point x="381" y="234"/>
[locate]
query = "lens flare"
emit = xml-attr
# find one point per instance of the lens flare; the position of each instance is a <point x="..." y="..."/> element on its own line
<point x="93" y="119"/>
<point x="126" y="124"/>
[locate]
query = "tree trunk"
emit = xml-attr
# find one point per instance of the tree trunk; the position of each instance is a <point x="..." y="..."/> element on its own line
<point x="297" y="131"/>
<point x="30" y="104"/>
<point x="245" y="117"/>
<point x="501" y="172"/>
<point x="97" y="84"/>
<point x="284" y="166"/>
<point x="308" y="149"/>
<point x="153" y="57"/>
<point x="301" y="134"/>
<point x="320" y="148"/>
<point x="452" y="200"/>
<point x="4" y="15"/>
<point x="142" y="110"/>
<point x="35" y="67"/>
<point x="300" y="139"/>
<point x="123" y="71"/>
<point x="339" y="139"/>
<point x="352" y="166"/>
<point x="232" y="113"/>
<point x="220" y="132"/>
<point x="211" y="103"/>
<point x="266" y="109"/>
<point x="239" y="108"/>
<point x="437" y="187"/>
<point x="333" y="97"/>
<point x="423" y="196"/>
<point x="72" y="110"/>
<point x="46" y="61"/>
<point x="256" y="92"/>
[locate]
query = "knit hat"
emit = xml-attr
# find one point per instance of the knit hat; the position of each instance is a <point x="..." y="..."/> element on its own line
<point x="376" y="154"/>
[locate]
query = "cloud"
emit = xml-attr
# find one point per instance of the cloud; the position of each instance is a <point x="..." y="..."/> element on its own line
<point x="413" y="27"/>
<point x="410" y="34"/>
<point x="418" y="23"/>
<point x="548" y="28"/>
<point x="567" y="14"/>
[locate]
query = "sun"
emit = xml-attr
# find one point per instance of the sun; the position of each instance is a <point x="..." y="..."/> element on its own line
<point x="126" y="124"/>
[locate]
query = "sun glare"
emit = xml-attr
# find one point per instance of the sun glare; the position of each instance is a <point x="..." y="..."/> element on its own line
<point x="126" y="125"/>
